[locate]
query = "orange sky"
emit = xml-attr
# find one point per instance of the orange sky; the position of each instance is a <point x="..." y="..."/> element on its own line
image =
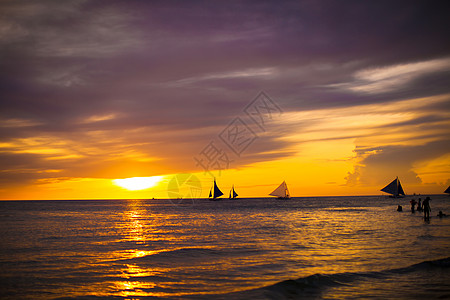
<point x="134" y="90"/>
<point x="323" y="159"/>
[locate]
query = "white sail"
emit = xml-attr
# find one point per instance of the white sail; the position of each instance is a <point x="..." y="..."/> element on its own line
<point x="281" y="191"/>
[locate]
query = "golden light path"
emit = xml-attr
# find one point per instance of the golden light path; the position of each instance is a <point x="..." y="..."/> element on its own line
<point x="138" y="183"/>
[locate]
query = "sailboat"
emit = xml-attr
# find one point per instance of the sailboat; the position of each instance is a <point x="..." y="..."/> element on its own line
<point x="215" y="192"/>
<point x="394" y="188"/>
<point x="233" y="193"/>
<point x="281" y="191"/>
<point x="447" y="191"/>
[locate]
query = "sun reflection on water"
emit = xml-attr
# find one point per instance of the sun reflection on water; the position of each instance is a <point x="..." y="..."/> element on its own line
<point x="134" y="226"/>
<point x="134" y="285"/>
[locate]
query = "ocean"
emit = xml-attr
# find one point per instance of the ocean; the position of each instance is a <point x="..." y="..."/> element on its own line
<point x="259" y="248"/>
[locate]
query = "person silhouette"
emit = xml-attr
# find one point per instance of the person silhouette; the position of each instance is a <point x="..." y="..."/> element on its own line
<point x="413" y="203"/>
<point x="426" y="208"/>
<point x="419" y="205"/>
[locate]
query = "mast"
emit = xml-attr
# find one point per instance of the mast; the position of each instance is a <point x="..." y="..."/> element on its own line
<point x="287" y="191"/>
<point x="234" y="193"/>
<point x="400" y="189"/>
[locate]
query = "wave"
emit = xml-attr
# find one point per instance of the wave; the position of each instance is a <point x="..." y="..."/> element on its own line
<point x="313" y="286"/>
<point x="344" y="209"/>
<point x="317" y="286"/>
<point x="193" y="253"/>
<point x="171" y="256"/>
<point x="439" y="263"/>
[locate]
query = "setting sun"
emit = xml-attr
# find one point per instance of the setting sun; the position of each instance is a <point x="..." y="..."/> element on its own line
<point x="138" y="183"/>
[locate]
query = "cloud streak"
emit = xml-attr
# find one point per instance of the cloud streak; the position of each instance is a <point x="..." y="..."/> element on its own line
<point x="392" y="78"/>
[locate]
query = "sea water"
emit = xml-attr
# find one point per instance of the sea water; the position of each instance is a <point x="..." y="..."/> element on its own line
<point x="302" y="248"/>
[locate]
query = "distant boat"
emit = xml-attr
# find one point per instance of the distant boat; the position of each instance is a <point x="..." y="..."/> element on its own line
<point x="394" y="188"/>
<point x="215" y="192"/>
<point x="281" y="191"/>
<point x="447" y="191"/>
<point x="233" y="193"/>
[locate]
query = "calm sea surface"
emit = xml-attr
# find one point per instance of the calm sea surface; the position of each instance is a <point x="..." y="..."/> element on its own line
<point x="311" y="248"/>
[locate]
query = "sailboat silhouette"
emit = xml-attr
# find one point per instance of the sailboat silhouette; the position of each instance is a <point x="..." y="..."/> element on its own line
<point x="394" y="188"/>
<point x="233" y="193"/>
<point x="215" y="192"/>
<point x="281" y="191"/>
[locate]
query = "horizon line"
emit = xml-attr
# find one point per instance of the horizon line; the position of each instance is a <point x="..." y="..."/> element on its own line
<point x="177" y="199"/>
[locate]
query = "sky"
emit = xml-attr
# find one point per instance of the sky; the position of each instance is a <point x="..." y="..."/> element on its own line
<point x="122" y="99"/>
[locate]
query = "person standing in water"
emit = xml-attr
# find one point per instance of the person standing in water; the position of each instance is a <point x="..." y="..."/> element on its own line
<point x="419" y="205"/>
<point x="426" y="208"/>
<point x="413" y="203"/>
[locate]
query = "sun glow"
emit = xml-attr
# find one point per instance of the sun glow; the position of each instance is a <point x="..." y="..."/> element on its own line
<point x="138" y="183"/>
